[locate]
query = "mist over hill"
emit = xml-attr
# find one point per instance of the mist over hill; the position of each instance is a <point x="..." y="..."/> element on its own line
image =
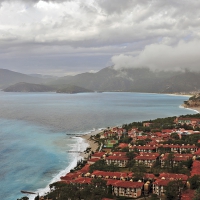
<point x="121" y="80"/>
<point x="135" y="80"/>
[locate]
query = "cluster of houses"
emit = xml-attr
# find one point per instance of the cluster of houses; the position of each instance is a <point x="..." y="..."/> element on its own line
<point x="123" y="183"/>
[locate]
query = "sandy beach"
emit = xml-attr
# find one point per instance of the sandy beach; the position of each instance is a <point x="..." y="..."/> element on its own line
<point x="197" y="109"/>
<point x="91" y="143"/>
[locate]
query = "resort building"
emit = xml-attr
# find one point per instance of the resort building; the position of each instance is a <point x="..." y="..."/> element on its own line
<point x="126" y="188"/>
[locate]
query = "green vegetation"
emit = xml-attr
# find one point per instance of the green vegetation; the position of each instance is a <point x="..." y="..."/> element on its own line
<point x="96" y="190"/>
<point x="102" y="166"/>
<point x="173" y="190"/>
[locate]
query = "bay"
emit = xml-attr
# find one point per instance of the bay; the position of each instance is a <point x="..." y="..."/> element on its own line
<point x="33" y="128"/>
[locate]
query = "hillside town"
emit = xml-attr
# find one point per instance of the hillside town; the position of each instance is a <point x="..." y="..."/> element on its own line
<point x="156" y="159"/>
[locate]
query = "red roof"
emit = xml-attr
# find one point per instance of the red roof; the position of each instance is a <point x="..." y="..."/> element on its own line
<point x="116" y="158"/>
<point x="70" y="176"/>
<point x="123" y="145"/>
<point x="149" y="176"/>
<point x="197" y="152"/>
<point x="149" y="154"/>
<point x="195" y="168"/>
<point x="161" y="182"/>
<point x="171" y="176"/>
<point x="111" y="174"/>
<point x="187" y="195"/>
<point x="82" y="180"/>
<point x="144" y="147"/>
<point x="118" y="153"/>
<point x="145" y="157"/>
<point x="127" y="184"/>
<point x="85" y="169"/>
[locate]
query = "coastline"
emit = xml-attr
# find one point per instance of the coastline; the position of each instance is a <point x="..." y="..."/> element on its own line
<point x="83" y="142"/>
<point x="196" y="109"/>
<point x="91" y="143"/>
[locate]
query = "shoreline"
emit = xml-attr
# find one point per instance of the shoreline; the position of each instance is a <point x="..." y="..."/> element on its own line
<point x="91" y="143"/>
<point x="87" y="142"/>
<point x="84" y="142"/>
<point x="196" y="109"/>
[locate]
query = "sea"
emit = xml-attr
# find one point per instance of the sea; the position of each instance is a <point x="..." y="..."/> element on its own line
<point x="36" y="131"/>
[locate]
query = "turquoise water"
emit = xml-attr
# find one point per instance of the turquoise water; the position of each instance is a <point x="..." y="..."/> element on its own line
<point x="33" y="127"/>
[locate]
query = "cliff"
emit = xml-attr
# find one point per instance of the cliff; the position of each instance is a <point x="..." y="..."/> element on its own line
<point x="193" y="101"/>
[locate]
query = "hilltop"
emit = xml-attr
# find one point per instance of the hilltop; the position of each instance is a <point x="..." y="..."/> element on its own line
<point x="111" y="80"/>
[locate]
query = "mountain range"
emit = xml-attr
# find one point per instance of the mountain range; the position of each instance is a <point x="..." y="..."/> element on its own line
<point x="110" y="79"/>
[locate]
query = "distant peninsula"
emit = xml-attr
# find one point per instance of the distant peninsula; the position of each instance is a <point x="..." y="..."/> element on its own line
<point x="72" y="89"/>
<point x="30" y="87"/>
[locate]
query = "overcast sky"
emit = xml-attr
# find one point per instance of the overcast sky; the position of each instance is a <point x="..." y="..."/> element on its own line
<point x="62" y="37"/>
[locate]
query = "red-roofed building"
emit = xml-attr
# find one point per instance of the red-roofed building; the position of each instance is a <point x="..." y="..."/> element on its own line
<point x="111" y="175"/>
<point x="159" y="186"/>
<point x="145" y="148"/>
<point x="126" y="188"/>
<point x="148" y="159"/>
<point x="98" y="155"/>
<point x="189" y="121"/>
<point x="120" y="161"/>
<point x="171" y="176"/>
<point x="177" y="158"/>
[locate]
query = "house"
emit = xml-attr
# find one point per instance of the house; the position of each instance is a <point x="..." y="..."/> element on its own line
<point x="126" y="188"/>
<point x="177" y="158"/>
<point x="159" y="186"/>
<point x="171" y="176"/>
<point x="148" y="159"/>
<point x="188" y="148"/>
<point x="188" y="121"/>
<point x="111" y="175"/>
<point x="145" y="148"/>
<point x="120" y="161"/>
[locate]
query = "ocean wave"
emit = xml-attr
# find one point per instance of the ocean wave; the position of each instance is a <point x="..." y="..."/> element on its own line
<point x="80" y="145"/>
<point x="189" y="109"/>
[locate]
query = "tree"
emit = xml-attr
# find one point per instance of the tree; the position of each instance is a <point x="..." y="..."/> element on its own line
<point x="173" y="190"/>
<point x="197" y="194"/>
<point x="175" y="136"/>
<point x="169" y="161"/>
<point x="154" y="197"/>
<point x="194" y="182"/>
<point x="139" y="171"/>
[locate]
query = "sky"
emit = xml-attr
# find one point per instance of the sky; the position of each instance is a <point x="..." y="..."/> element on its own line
<point x="67" y="37"/>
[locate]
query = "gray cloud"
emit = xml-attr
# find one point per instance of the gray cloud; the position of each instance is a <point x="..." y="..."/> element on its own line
<point x="163" y="57"/>
<point x="106" y="28"/>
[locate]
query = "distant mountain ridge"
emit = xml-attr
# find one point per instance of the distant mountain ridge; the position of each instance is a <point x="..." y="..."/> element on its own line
<point x="135" y="80"/>
<point x="8" y="77"/>
<point x="29" y="87"/>
<point x="112" y="80"/>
